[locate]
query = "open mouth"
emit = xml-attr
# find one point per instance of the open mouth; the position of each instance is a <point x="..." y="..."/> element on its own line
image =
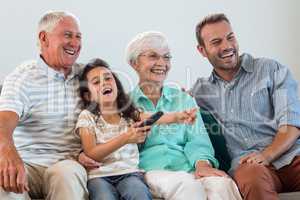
<point x="107" y="91"/>
<point x="227" y="54"/>
<point x="158" y="71"/>
<point x="71" y="52"/>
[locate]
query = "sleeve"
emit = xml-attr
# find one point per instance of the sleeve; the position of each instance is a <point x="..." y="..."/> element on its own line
<point x="14" y="95"/>
<point x="285" y="97"/>
<point x="198" y="145"/>
<point x="85" y="120"/>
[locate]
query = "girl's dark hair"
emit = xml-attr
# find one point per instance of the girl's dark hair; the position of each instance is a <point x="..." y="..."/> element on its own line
<point x="125" y="105"/>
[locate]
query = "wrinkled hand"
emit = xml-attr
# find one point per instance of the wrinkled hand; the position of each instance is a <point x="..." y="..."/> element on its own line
<point x="88" y="162"/>
<point x="255" y="158"/>
<point x="206" y="170"/>
<point x="187" y="116"/>
<point x="12" y="171"/>
<point x="136" y="134"/>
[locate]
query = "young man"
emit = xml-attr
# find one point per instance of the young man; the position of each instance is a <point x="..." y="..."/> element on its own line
<point x="256" y="102"/>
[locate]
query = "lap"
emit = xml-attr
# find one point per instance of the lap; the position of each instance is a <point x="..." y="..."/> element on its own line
<point x="100" y="188"/>
<point x="171" y="184"/>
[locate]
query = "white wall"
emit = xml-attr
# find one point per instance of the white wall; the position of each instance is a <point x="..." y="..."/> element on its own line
<point x="264" y="28"/>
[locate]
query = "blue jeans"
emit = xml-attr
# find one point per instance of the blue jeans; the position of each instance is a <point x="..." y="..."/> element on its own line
<point x="125" y="187"/>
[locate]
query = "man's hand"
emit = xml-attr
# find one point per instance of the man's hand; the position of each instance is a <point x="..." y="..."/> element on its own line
<point x="12" y="170"/>
<point x="203" y="169"/>
<point x="88" y="162"/>
<point x="255" y="158"/>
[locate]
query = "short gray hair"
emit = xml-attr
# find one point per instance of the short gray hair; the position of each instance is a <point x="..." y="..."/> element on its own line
<point x="50" y="19"/>
<point x="145" y="41"/>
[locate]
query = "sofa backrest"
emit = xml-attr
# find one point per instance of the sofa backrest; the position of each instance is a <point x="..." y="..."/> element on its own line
<point x="217" y="139"/>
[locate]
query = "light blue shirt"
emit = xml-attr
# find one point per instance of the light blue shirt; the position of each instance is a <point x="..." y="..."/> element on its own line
<point x="175" y="146"/>
<point x="262" y="96"/>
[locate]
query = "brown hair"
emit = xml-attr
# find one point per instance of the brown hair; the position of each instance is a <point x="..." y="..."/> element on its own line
<point x="125" y="105"/>
<point x="210" y="19"/>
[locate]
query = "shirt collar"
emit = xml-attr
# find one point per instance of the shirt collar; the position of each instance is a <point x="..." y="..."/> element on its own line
<point x="51" y="73"/>
<point x="138" y="93"/>
<point x="247" y="64"/>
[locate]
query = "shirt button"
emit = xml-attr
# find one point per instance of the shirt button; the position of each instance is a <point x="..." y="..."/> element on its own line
<point x="231" y="110"/>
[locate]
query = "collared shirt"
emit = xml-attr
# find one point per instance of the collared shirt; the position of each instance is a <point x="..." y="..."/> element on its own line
<point x="262" y="96"/>
<point x="123" y="160"/>
<point x="47" y="105"/>
<point x="174" y="146"/>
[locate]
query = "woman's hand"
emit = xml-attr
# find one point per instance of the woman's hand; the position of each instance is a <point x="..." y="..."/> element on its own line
<point x="203" y="169"/>
<point x="186" y="116"/>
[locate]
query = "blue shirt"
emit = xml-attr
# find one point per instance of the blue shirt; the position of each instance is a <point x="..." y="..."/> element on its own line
<point x="174" y="146"/>
<point x="262" y="96"/>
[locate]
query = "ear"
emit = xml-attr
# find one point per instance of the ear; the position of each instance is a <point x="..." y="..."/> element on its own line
<point x="134" y="65"/>
<point x="202" y="50"/>
<point x="43" y="38"/>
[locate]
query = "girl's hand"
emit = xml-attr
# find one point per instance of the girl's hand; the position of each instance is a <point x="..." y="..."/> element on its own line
<point x="136" y="134"/>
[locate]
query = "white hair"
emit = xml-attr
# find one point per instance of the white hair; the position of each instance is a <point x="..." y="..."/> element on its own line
<point x="149" y="40"/>
<point x="50" y="19"/>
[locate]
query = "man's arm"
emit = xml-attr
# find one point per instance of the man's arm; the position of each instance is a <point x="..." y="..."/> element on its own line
<point x="12" y="171"/>
<point x="283" y="141"/>
<point x="287" y="113"/>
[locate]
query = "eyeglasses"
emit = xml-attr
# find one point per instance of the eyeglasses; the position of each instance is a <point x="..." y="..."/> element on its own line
<point x="155" y="56"/>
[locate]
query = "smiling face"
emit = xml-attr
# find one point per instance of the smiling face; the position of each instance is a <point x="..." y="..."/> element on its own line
<point x="220" y="46"/>
<point x="153" y="65"/>
<point x="61" y="47"/>
<point x="102" y="86"/>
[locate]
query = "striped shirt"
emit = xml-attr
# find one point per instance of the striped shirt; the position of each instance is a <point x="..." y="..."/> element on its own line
<point x="48" y="106"/>
<point x="262" y="96"/>
<point x="122" y="161"/>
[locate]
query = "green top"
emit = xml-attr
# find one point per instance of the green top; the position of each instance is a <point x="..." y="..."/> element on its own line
<point x="173" y="147"/>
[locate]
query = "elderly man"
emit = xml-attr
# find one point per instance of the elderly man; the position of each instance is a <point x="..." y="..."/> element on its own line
<point x="38" y="111"/>
<point x="179" y="159"/>
<point x="256" y="102"/>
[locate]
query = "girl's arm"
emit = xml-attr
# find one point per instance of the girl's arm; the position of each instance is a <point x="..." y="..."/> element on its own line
<point x="187" y="116"/>
<point x="99" y="151"/>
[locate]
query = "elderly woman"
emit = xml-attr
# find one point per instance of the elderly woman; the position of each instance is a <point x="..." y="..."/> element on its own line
<point x="178" y="158"/>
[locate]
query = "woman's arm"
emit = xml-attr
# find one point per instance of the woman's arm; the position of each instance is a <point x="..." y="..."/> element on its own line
<point x="187" y="116"/>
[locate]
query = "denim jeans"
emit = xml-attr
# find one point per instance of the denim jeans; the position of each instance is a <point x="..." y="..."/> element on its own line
<point x="124" y="187"/>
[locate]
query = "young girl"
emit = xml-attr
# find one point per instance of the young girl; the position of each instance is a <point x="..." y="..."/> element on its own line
<point x="108" y="128"/>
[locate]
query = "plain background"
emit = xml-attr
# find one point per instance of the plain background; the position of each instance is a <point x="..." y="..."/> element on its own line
<point x="264" y="28"/>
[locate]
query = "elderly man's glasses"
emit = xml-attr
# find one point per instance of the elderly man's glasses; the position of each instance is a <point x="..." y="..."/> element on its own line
<point x="155" y="56"/>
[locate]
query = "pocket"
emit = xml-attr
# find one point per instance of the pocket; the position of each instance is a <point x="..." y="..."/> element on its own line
<point x="261" y="103"/>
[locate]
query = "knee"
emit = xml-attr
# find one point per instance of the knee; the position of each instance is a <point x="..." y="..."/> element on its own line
<point x="139" y="191"/>
<point x="65" y="171"/>
<point x="251" y="176"/>
<point x="221" y="185"/>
